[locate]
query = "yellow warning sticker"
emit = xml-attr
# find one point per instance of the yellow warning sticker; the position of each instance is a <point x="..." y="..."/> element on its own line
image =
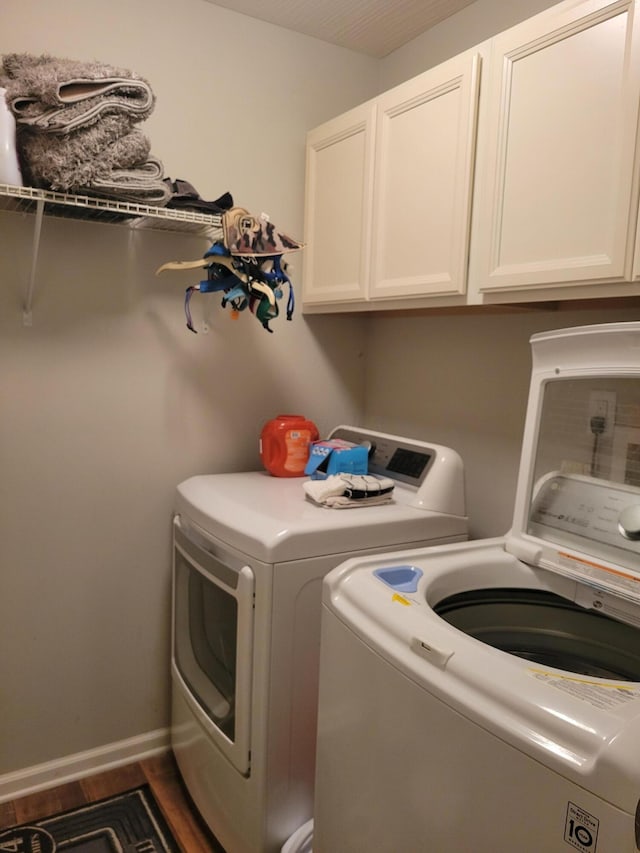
<point x="401" y="599"/>
<point x="600" y="694"/>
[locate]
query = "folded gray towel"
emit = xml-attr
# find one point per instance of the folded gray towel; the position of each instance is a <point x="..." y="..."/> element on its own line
<point x="66" y="163"/>
<point x="59" y="95"/>
<point x="141" y="184"/>
<point x="75" y="124"/>
<point x="66" y="119"/>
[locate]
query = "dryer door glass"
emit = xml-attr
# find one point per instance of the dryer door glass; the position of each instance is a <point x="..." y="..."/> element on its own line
<point x="213" y="642"/>
<point x="206" y="629"/>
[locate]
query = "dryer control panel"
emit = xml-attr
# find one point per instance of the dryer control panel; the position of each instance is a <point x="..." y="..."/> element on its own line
<point x="390" y="456"/>
<point x="434" y="474"/>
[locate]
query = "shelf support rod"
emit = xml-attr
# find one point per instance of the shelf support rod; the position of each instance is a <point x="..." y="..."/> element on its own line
<point x="27" y="317"/>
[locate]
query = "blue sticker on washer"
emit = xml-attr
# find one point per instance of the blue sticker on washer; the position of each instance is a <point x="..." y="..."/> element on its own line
<point x="401" y="578"/>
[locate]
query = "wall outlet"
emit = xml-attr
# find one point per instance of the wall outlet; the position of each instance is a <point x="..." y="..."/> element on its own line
<point x="602" y="404"/>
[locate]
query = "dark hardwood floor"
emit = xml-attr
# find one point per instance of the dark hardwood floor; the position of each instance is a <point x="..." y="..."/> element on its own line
<point x="160" y="772"/>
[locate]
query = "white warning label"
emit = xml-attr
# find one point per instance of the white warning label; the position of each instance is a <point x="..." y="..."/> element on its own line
<point x="616" y="578"/>
<point x="600" y="694"/>
<point x="581" y="829"/>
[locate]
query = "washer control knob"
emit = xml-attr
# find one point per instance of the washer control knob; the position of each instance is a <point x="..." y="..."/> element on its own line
<point x="629" y="522"/>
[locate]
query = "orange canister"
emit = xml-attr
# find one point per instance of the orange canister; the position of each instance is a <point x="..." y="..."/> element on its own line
<point x="284" y="444"/>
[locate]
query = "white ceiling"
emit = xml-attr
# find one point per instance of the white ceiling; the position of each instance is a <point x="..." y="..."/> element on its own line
<point x="373" y="27"/>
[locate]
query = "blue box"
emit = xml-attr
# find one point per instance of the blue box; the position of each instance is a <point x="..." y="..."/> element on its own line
<point x="336" y="456"/>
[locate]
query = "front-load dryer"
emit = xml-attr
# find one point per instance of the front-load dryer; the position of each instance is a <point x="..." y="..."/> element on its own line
<point x="250" y="553"/>
<point x="485" y="696"/>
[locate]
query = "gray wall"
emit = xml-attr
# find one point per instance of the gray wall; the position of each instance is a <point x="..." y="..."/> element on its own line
<point x="108" y="400"/>
<point x="463" y="381"/>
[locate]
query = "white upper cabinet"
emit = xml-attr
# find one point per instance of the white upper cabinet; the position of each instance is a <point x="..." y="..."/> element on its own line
<point x="555" y="206"/>
<point x="388" y="193"/>
<point x="523" y="186"/>
<point x="423" y="176"/>
<point x="338" y="199"/>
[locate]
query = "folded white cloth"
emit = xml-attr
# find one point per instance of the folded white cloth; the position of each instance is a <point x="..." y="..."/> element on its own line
<point x="341" y="502"/>
<point x="344" y="491"/>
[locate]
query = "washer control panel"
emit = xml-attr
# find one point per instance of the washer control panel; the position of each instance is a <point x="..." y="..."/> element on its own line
<point x="629" y="522"/>
<point x="597" y="516"/>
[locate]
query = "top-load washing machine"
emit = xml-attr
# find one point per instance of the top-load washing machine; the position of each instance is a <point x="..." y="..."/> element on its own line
<point x="485" y="696"/>
<point x="250" y="552"/>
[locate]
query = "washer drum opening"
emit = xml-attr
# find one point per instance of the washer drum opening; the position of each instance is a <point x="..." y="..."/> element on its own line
<point x="547" y="629"/>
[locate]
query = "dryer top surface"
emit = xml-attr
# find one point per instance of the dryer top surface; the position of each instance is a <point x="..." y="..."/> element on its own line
<point x="270" y="518"/>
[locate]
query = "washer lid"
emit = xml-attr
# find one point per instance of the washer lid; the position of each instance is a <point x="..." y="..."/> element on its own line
<point x="577" y="506"/>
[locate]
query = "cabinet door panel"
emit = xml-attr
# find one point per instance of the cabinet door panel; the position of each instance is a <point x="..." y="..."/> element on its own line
<point x="338" y="208"/>
<point x="558" y="173"/>
<point x="425" y="145"/>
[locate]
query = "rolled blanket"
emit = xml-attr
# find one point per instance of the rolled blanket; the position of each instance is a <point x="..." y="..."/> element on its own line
<point x="141" y="184"/>
<point x="60" y="95"/>
<point x="66" y="163"/>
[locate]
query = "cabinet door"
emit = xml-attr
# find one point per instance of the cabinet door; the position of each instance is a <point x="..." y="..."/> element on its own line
<point x="338" y="208"/>
<point x="425" y="148"/>
<point x="557" y="171"/>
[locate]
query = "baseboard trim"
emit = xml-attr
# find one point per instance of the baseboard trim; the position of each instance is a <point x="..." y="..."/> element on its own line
<point x="20" y="783"/>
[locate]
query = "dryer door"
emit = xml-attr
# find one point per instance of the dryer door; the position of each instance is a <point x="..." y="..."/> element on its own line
<point x="213" y="643"/>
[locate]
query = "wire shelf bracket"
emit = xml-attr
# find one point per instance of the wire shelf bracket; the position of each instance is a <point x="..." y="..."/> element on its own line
<point x="92" y="209"/>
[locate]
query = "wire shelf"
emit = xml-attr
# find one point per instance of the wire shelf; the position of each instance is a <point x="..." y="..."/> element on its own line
<point x="28" y="200"/>
<point x="107" y="211"/>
